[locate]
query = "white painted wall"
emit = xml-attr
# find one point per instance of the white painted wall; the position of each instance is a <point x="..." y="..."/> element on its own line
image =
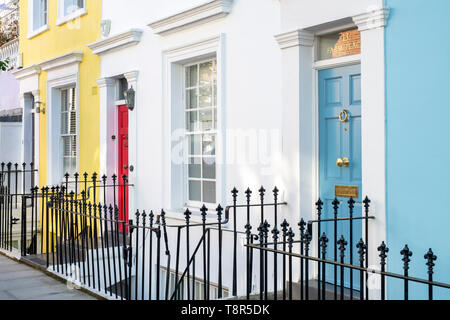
<point x="262" y="92"/>
<point x="304" y="14"/>
<point x="249" y="29"/>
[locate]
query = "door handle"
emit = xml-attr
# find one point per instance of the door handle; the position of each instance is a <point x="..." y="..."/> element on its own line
<point x="125" y="167"/>
<point x="343" y="162"/>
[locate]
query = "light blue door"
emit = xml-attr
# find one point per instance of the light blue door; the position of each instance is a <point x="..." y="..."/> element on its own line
<point x="340" y="155"/>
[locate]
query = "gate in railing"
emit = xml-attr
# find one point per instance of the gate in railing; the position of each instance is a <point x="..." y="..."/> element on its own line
<point x="36" y="228"/>
<point x="15" y="184"/>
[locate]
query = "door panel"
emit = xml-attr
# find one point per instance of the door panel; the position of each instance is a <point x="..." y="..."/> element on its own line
<point x="123" y="160"/>
<point x="332" y="148"/>
<point x="340" y="89"/>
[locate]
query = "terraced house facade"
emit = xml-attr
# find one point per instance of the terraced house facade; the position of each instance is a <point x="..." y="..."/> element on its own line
<point x="58" y="89"/>
<point x="179" y="111"/>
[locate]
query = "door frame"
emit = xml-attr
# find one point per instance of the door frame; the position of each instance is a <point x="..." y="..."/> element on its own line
<point x="118" y="104"/>
<point x="299" y="105"/>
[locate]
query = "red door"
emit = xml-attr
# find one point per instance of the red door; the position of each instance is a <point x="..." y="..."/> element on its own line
<point x="123" y="161"/>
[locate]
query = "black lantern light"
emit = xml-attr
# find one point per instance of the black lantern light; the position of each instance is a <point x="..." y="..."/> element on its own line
<point x="130" y="97"/>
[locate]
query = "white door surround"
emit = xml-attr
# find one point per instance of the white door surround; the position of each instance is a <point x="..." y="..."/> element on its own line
<point x="29" y="85"/>
<point x="300" y="114"/>
<point x="108" y="128"/>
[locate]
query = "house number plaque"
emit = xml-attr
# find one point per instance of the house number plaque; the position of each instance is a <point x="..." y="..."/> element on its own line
<point x="346" y="191"/>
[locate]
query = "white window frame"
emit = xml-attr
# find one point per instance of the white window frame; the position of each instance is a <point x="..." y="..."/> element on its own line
<point x="69" y="134"/>
<point x="175" y="191"/>
<point x="55" y="147"/>
<point x="63" y="18"/>
<point x="31" y="31"/>
<point x="214" y="131"/>
<point x="57" y="81"/>
<point x="199" y="286"/>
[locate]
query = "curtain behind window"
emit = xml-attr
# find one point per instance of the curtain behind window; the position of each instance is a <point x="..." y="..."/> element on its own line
<point x="71" y="6"/>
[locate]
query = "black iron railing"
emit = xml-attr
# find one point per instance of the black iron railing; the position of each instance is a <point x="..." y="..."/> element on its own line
<point x="207" y="254"/>
<point x="23" y="207"/>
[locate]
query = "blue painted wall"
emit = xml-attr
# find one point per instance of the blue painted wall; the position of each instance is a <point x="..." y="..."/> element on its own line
<point x="418" y="137"/>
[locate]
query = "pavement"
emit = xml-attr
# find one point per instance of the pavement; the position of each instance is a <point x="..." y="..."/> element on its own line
<point x="21" y="282"/>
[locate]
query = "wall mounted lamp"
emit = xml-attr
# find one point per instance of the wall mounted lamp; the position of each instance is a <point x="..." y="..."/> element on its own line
<point x="130" y="98"/>
<point x="39" y="107"/>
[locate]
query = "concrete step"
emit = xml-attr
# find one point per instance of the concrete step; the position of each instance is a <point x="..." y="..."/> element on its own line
<point x="313" y="287"/>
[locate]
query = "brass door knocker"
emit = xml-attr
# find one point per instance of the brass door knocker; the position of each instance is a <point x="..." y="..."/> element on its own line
<point x="343" y="116"/>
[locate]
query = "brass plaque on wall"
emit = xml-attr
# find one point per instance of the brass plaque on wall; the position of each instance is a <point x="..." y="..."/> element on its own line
<point x="346" y="191"/>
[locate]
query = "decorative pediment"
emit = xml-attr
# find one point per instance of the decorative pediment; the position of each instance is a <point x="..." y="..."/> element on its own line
<point x="372" y="20"/>
<point x="295" y="38"/>
<point x="62" y="61"/>
<point x="24" y="73"/>
<point x="212" y="10"/>
<point x="119" y="41"/>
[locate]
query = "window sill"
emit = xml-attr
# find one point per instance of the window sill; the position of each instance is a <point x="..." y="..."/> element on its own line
<point x="196" y="217"/>
<point x="34" y="33"/>
<point x="72" y="16"/>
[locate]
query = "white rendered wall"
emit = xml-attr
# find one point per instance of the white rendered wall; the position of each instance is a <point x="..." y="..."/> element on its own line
<point x="263" y="96"/>
<point x="304" y="14"/>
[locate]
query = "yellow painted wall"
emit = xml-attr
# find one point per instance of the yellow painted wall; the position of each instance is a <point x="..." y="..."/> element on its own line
<point x="59" y="40"/>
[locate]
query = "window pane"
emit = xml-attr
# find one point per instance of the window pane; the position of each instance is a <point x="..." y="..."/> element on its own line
<point x="201" y="81"/>
<point x="72" y="6"/>
<point x="191" y="76"/>
<point x="195" y="168"/>
<point x="206" y="120"/>
<point x="69" y="146"/>
<point x="73" y="145"/>
<point x="209" y="192"/>
<point x="172" y="283"/>
<point x="64" y="100"/>
<point x="122" y="86"/>
<point x="191" y="99"/>
<point x="195" y="190"/>
<point x="199" y="290"/>
<point x="206" y="73"/>
<point x="69" y="166"/>
<point x="73" y="122"/>
<point x="195" y="145"/>
<point x="162" y="282"/>
<point x="66" y="146"/>
<point x="71" y="96"/>
<point x="213" y="293"/>
<point x="209" y="168"/>
<point x="209" y="144"/>
<point x="39" y="13"/>
<point x="191" y="121"/>
<point x="205" y="97"/>
<point x="64" y="123"/>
